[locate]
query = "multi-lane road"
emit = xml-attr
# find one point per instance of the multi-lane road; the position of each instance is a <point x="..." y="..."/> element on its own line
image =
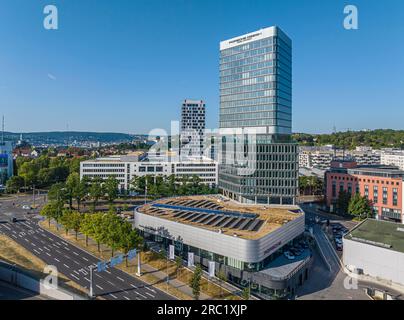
<point x="72" y="261"/>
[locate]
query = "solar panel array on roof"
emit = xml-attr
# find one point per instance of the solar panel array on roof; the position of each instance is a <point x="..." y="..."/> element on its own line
<point x="244" y="224"/>
<point x="253" y="225"/>
<point x="208" y="211"/>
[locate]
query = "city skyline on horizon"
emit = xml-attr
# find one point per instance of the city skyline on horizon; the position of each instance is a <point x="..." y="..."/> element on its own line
<point x="49" y="89"/>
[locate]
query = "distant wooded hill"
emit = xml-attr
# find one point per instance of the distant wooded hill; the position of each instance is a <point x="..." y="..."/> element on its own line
<point x="64" y="137"/>
<point x="380" y="138"/>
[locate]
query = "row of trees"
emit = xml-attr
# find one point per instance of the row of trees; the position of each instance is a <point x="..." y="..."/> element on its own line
<point x="41" y="172"/>
<point x="105" y="228"/>
<point x="86" y="188"/>
<point x="357" y="205"/>
<point x="167" y="186"/>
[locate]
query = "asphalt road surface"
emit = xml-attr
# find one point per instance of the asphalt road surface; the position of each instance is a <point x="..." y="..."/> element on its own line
<point x="74" y="262"/>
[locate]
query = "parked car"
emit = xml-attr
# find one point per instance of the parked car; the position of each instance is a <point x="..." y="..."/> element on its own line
<point x="338" y="246"/>
<point x="12" y="219"/>
<point x="297" y="252"/>
<point x="289" y="255"/>
<point x="26" y="207"/>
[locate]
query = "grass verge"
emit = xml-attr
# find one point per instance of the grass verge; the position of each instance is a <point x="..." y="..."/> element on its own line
<point x="13" y="253"/>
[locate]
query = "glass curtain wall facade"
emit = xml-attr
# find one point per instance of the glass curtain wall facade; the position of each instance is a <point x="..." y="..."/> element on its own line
<point x="258" y="159"/>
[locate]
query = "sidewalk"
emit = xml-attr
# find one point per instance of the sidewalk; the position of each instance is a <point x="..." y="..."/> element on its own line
<point x="173" y="282"/>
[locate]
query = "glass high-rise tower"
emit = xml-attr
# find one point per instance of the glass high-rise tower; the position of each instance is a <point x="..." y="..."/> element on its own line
<point x="258" y="159"/>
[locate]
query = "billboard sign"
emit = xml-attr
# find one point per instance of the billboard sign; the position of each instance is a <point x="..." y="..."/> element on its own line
<point x="190" y="259"/>
<point x="171" y="252"/>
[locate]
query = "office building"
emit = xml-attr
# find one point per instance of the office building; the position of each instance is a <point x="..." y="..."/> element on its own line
<point x="6" y="161"/>
<point x="192" y="135"/>
<point x="381" y="184"/>
<point x="393" y="157"/>
<point x="126" y="167"/>
<point x="258" y="159"/>
<point x="246" y="242"/>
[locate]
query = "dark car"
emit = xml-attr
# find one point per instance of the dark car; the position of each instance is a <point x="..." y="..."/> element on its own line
<point x="338" y="246"/>
<point x="12" y="219"/>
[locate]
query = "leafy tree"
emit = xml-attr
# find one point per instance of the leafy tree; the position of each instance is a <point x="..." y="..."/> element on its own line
<point x="360" y="207"/>
<point x="129" y="239"/>
<point x="113" y="230"/>
<point x="223" y="278"/>
<point x="14" y="184"/>
<point x="50" y="211"/>
<point x="111" y="188"/>
<point x="96" y="190"/>
<point x="245" y="294"/>
<point x="178" y="264"/>
<point x="343" y="201"/>
<point x="195" y="282"/>
<point x="72" y="220"/>
<point x="87" y="226"/>
<point x="99" y="232"/>
<point x="72" y="183"/>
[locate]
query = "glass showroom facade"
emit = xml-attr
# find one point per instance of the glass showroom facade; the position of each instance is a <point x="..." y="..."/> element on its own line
<point x="260" y="163"/>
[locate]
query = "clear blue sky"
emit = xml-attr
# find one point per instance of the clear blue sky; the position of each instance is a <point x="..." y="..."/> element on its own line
<point x="125" y="66"/>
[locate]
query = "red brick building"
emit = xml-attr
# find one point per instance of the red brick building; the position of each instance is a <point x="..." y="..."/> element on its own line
<point x="381" y="184"/>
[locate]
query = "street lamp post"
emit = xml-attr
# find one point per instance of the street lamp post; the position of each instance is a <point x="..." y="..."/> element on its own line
<point x="138" y="273"/>
<point x="91" y="294"/>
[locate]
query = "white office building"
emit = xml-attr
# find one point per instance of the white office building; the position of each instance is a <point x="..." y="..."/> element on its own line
<point x="126" y="167"/>
<point x="393" y="157"/>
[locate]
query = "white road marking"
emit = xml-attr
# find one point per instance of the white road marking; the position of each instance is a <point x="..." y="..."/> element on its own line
<point x="133" y="286"/>
<point x="75" y="253"/>
<point x="110" y="283"/>
<point x="76" y="272"/>
<point x="67" y="248"/>
<point x="113" y="296"/>
<point x="14" y="236"/>
<point x="87" y="279"/>
<point x="150" y="289"/>
<point x="74" y="276"/>
<point x="57" y="259"/>
<point x="149" y="294"/>
<point x="120" y="279"/>
<point x="85" y="259"/>
<point x="99" y="287"/>
<point x="66" y="266"/>
<point x="37" y="251"/>
<point x="126" y="298"/>
<point x="40" y="249"/>
<point x="46" y="248"/>
<point x="48" y="254"/>
<point x="144" y="297"/>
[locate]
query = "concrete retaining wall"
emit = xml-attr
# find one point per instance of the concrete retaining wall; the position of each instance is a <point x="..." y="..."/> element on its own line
<point x="13" y="275"/>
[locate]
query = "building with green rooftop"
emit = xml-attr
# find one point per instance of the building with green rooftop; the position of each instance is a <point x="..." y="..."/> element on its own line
<point x="376" y="248"/>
